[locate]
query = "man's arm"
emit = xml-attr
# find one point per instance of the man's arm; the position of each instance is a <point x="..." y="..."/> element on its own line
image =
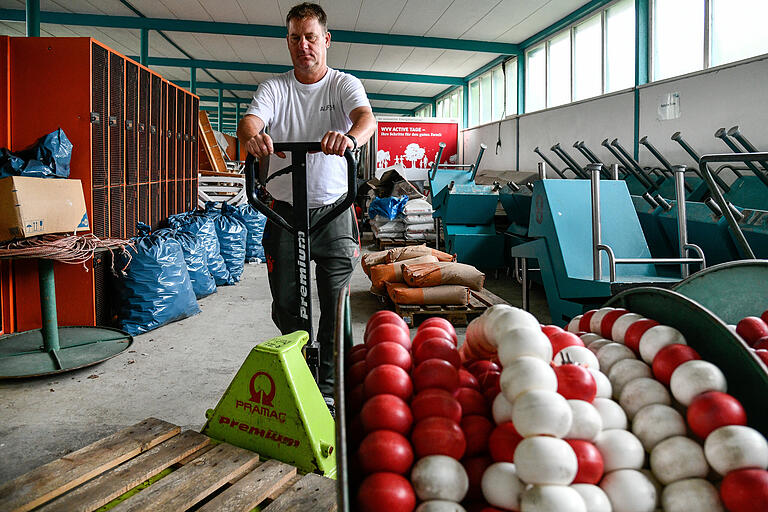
<point x="363" y="127"/>
<point x="250" y="132"/>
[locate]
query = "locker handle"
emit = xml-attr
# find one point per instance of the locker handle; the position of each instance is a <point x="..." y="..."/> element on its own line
<point x="129" y="124"/>
<point x="95" y="118"/>
<point x="112" y="120"/>
<point x="178" y="136"/>
<point x="152" y="130"/>
<point x="141" y="127"/>
<point x="169" y="134"/>
<point x="186" y="137"/>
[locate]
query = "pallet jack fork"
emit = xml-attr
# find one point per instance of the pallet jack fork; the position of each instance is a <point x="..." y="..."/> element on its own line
<point x="273" y="405"/>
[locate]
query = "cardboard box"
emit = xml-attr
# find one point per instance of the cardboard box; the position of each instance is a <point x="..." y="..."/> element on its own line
<point x="38" y="206"/>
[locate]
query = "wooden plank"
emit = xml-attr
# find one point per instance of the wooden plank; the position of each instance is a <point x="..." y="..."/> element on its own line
<point x="55" y="478"/>
<point x="193" y="456"/>
<point x="313" y="492"/>
<point x="114" y="483"/>
<point x="290" y="483"/>
<point x="210" y="144"/>
<point x="252" y="489"/>
<point x="192" y="483"/>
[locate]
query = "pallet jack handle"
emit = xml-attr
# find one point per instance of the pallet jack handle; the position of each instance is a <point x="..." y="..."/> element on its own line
<point x="301" y="228"/>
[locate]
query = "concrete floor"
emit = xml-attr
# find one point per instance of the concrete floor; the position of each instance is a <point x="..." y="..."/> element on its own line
<point x="173" y="373"/>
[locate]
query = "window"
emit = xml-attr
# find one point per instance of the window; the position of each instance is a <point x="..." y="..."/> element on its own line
<point x="678" y="37"/>
<point x="474" y="103"/>
<point x="497" y="93"/>
<point x="559" y="70"/>
<point x="588" y="59"/>
<point x="425" y="111"/>
<point x="535" y="79"/>
<point x="620" y="46"/>
<point x="485" y="98"/>
<point x="511" y="86"/>
<point x="738" y="30"/>
<point x="490" y="98"/>
<point x="450" y="104"/>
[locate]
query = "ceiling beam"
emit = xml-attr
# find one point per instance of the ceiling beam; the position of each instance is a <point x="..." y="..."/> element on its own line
<point x="398" y="97"/>
<point x="217" y="85"/>
<point x="227" y="99"/>
<point x="247" y="29"/>
<point x="281" y="68"/>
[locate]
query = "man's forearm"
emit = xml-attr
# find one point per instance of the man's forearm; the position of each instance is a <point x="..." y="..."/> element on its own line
<point x="249" y="126"/>
<point x="363" y="127"/>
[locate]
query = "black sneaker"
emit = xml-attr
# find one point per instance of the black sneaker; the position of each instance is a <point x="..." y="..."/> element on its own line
<point x="330" y="402"/>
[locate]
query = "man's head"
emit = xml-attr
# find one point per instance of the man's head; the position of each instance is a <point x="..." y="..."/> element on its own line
<point x="308" y="37"/>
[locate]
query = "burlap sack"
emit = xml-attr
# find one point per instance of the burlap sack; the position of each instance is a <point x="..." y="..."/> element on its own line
<point x="392" y="272"/>
<point x="422" y="275"/>
<point x="371" y="259"/>
<point x="447" y="294"/>
<point x="414" y="251"/>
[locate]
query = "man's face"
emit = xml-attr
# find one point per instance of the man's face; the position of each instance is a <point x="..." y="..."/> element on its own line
<point x="308" y="43"/>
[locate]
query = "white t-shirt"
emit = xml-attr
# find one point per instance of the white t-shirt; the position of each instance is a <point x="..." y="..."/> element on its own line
<point x="296" y="112"/>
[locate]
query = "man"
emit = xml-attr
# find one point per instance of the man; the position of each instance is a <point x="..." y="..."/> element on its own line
<point x="310" y="103"/>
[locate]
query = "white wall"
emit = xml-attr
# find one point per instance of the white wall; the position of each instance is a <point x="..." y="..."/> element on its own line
<point x="721" y="97"/>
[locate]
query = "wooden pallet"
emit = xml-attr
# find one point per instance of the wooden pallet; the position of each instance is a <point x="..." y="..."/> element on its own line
<point x="383" y="245"/>
<point x="457" y="315"/>
<point x="154" y="466"/>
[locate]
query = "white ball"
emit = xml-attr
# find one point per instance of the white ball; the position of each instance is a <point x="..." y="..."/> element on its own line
<point x="597" y="319"/>
<point x="695" y="377"/>
<point x="594" y="497"/>
<point x="629" y="491"/>
<point x="678" y="458"/>
<point x="641" y="392"/>
<point x="502" y="409"/>
<point x="691" y="494"/>
<point x="604" y="388"/>
<point x="587" y="423"/>
<point x="612" y="353"/>
<point x="625" y="371"/>
<point x="548" y="498"/>
<point x="656" y="422"/>
<point x="621" y="325"/>
<point x="524" y="374"/>
<point x="573" y="325"/>
<point x="439" y="477"/>
<point x="524" y="341"/>
<point x="596" y="345"/>
<point x="577" y="354"/>
<point x="440" y="506"/>
<point x="541" y="412"/>
<point x="501" y="318"/>
<point x="589" y="338"/>
<point x="736" y="447"/>
<point x="656" y="338"/>
<point x="501" y="486"/>
<point x="620" y="450"/>
<point x="545" y="460"/>
<point x="611" y="413"/>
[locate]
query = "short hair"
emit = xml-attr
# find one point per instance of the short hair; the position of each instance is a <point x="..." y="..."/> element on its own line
<point x="307" y="10"/>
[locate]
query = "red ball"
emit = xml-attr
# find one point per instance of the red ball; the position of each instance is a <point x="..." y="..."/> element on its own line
<point x="606" y="325"/>
<point x="745" y="490"/>
<point x="435" y="402"/>
<point x="435" y="373"/>
<point x="386" y="492"/>
<point x="490" y="393"/>
<point x="385" y="451"/>
<point x="575" y="382"/>
<point x="438" y="436"/>
<point x="472" y="401"/>
<point x="551" y="330"/>
<point x="489" y="380"/>
<point x="763" y="355"/>
<point x="442" y="323"/>
<point x="475" y="467"/>
<point x="357" y="354"/>
<point x="761" y="344"/>
<point x="590" y="462"/>
<point x="669" y="358"/>
<point x="752" y="329"/>
<point x="388" y="352"/>
<point x="503" y="441"/>
<point x="564" y="339"/>
<point x="483" y="366"/>
<point x="635" y="331"/>
<point x="467" y="380"/>
<point x="477" y="430"/>
<point x="585" y="319"/>
<point x="437" y="348"/>
<point x="356" y="373"/>
<point x="714" y="409"/>
<point x="764" y="316"/>
<point x="355" y="398"/>
<point x="428" y="333"/>
<point x="386" y="412"/>
<point x="383" y="317"/>
<point x="388" y="332"/>
<point x="388" y="379"/>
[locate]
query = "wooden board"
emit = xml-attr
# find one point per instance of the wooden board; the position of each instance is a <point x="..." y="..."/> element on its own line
<point x="55" y="478"/>
<point x="149" y="467"/>
<point x="385" y="244"/>
<point x="209" y="142"/>
<point x="459" y="316"/>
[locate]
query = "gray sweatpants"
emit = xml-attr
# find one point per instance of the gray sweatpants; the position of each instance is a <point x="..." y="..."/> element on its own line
<point x="335" y="249"/>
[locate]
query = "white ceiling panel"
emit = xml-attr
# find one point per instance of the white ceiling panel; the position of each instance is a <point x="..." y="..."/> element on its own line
<point x="418" y="16"/>
<point x="172" y="74"/>
<point x="362" y="56"/>
<point x="112" y="7"/>
<point x="160" y="47"/>
<point x="414" y="63"/>
<point x="261" y="12"/>
<point x="275" y="50"/>
<point x="247" y="49"/>
<point x="189" y="9"/>
<point x="379" y="16"/>
<point x="337" y="55"/>
<point x="155" y="9"/>
<point x="460" y="17"/>
<point x="474" y="63"/>
<point x="502" y="18"/>
<point x="8" y="28"/>
<point x="391" y="59"/>
<point x="540" y="19"/>
<point x="342" y="14"/>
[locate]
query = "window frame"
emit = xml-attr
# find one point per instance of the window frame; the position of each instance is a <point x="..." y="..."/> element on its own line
<point x="505" y="100"/>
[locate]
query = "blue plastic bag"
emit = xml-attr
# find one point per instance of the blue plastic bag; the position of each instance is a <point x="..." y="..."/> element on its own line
<point x="254" y="224"/>
<point x="232" y="234"/>
<point x="196" y="259"/>
<point x="10" y="164"/>
<point x="49" y="157"/>
<point x="389" y="207"/>
<point x="155" y="289"/>
<point x="178" y="220"/>
<point x="203" y="227"/>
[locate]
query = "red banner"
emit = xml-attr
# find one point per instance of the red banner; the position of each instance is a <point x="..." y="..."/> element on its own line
<point x="414" y="144"/>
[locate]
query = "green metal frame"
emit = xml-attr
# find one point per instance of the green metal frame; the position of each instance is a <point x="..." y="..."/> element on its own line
<point x="32" y="17"/>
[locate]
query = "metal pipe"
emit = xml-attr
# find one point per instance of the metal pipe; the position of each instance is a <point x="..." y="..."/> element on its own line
<point x="736" y="134"/>
<point x="50" y="326"/>
<point x="564" y="158"/>
<point x="33" y="18"/>
<point x="580" y="148"/>
<point x="513" y="186"/>
<point x="342" y="457"/>
<point x="655" y="152"/>
<point x="682" y="221"/>
<point x="628" y="166"/>
<point x="524" y="276"/>
<point x="721" y="134"/>
<point x="542" y="170"/>
<point x="483" y="147"/>
<point x="220" y="120"/>
<point x="193" y="80"/>
<point x="615" y="172"/>
<point x="433" y="171"/>
<point x="688" y="149"/>
<point x="713" y="206"/>
<point x="662" y="202"/>
<point x="549" y="163"/>
<point x="144" y="47"/>
<point x="574" y="165"/>
<point x="653" y="184"/>
<point x="594" y="176"/>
